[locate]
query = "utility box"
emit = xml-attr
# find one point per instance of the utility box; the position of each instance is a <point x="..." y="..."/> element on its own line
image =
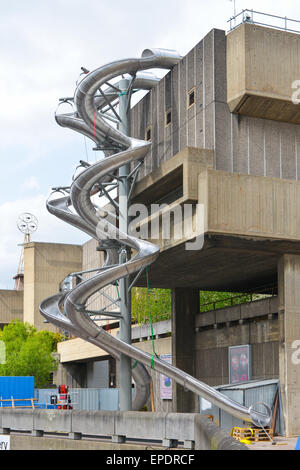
<point x="16" y="388"/>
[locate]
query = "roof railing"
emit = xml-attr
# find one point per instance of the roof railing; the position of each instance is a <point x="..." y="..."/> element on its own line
<point x="264" y="19"/>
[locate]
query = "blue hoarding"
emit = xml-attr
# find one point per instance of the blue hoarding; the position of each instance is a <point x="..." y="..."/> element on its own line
<point x="16" y="388"/>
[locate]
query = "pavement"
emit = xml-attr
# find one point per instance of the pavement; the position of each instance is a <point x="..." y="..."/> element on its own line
<point x="281" y="443"/>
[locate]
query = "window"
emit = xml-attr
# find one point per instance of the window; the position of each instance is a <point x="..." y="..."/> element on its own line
<point x="168" y="117"/>
<point x="148" y="134"/>
<point x="191" y="97"/>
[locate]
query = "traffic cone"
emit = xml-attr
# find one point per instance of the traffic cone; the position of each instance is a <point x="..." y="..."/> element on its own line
<point x="298" y="444"/>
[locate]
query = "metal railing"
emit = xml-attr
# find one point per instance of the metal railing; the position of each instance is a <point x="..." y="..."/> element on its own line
<point x="264" y="19"/>
<point x="5" y="403"/>
<point x="214" y="304"/>
<point x="236" y="299"/>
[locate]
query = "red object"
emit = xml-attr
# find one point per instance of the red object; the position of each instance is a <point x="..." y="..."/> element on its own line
<point x="64" y="399"/>
<point x="63" y="389"/>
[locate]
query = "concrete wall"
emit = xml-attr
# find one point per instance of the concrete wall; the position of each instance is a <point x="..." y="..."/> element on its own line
<point x="191" y="126"/>
<point x="250" y="205"/>
<point x="11" y="306"/>
<point x="196" y="432"/>
<point x="98" y="374"/>
<point x="254" y="323"/>
<point x="45" y="266"/>
<point x="243" y="144"/>
<point x="212" y="351"/>
<point x="27" y="442"/>
<point x="262" y="64"/>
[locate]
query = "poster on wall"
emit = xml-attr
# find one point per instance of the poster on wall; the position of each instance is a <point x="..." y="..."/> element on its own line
<point x="166" y="382"/>
<point x="239" y="364"/>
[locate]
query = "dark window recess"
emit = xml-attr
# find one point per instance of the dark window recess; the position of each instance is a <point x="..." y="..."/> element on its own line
<point x="191" y="98"/>
<point x="168" y="118"/>
<point x="148" y="134"/>
<point x="172" y="196"/>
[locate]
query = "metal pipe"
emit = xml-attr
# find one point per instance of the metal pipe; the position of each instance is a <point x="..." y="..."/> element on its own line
<point x="125" y="321"/>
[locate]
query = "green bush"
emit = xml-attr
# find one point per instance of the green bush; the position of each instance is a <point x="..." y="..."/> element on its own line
<point x="29" y="352"/>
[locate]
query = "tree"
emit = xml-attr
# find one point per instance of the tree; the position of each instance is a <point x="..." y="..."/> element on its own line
<point x="29" y="352"/>
<point x="158" y="302"/>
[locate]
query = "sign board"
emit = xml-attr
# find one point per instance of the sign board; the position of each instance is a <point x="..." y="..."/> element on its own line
<point x="239" y="364"/>
<point x="4" y="442"/>
<point x="166" y="382"/>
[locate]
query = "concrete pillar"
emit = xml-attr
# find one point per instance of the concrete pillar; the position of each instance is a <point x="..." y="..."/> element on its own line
<point x="289" y="340"/>
<point x="73" y="375"/>
<point x="185" y="305"/>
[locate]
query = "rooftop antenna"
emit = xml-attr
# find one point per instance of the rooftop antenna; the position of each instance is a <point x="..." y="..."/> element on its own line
<point x="27" y="224"/>
<point x="234" y="10"/>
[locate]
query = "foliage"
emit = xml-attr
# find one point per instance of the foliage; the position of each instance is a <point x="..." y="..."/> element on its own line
<point x="158" y="302"/>
<point x="29" y="352"/>
<point x="214" y="300"/>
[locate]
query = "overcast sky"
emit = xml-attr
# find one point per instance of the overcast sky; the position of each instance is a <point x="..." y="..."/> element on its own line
<point x="43" y="45"/>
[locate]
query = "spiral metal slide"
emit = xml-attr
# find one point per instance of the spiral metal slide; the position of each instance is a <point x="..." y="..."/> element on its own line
<point x="68" y="309"/>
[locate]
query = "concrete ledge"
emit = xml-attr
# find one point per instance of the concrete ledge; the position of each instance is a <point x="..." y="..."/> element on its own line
<point x="247" y="310"/>
<point x="23" y="442"/>
<point x="228" y="314"/>
<point x="180" y="426"/>
<point x="208" y="436"/>
<point x="52" y="420"/>
<point x="101" y="423"/>
<point x="19" y="420"/>
<point x="143" y="425"/>
<point x="194" y="430"/>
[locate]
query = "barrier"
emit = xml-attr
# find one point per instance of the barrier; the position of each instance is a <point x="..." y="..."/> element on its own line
<point x="167" y="429"/>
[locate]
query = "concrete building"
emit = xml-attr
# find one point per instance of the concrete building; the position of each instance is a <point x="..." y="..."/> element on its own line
<point x="232" y="95"/>
<point x="45" y="267"/>
<point x="225" y="136"/>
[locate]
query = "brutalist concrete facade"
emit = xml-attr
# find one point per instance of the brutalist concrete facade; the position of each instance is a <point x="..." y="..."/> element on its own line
<point x="189" y="108"/>
<point x="241" y="144"/>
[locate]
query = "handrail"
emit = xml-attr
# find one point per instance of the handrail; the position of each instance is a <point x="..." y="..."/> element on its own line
<point x="247" y="16"/>
<point x="13" y="400"/>
<point x="212" y="303"/>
